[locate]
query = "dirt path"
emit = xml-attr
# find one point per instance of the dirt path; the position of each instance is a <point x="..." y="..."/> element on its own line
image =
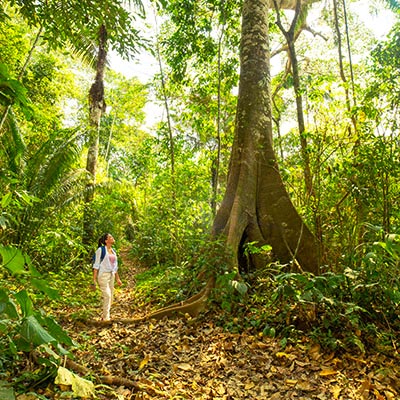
<point x="195" y="359"/>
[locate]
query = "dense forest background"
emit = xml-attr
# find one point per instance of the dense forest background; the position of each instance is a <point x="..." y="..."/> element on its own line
<point x="86" y="150"/>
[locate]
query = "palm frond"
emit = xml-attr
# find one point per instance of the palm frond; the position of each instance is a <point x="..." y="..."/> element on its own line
<point x="56" y="156"/>
<point x="394" y="5"/>
<point x="12" y="145"/>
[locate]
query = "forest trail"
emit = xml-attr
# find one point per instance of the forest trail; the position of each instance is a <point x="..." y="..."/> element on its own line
<point x="193" y="358"/>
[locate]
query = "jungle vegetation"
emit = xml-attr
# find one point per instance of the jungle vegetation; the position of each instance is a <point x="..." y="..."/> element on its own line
<point x="271" y="168"/>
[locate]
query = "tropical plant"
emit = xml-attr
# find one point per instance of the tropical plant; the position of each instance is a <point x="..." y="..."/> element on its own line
<point x="23" y="327"/>
<point x="355" y="308"/>
<point x="48" y="179"/>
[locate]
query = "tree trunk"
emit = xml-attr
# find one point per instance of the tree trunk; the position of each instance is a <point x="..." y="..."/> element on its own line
<point x="97" y="107"/>
<point x="290" y="36"/>
<point x="256" y="206"/>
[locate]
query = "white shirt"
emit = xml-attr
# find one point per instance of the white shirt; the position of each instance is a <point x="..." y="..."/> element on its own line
<point x="109" y="263"/>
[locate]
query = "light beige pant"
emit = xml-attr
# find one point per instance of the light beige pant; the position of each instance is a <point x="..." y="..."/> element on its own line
<point x="106" y="285"/>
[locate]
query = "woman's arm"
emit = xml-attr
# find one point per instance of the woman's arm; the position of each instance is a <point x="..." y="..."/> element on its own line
<point x="117" y="278"/>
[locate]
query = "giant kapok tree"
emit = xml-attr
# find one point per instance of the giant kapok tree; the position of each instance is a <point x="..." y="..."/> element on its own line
<point x="256" y="206"/>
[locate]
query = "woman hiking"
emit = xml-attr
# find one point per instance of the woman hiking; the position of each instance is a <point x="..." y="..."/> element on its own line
<point x="105" y="272"/>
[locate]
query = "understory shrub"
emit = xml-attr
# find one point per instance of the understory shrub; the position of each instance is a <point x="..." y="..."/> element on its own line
<point x="352" y="308"/>
<point x="24" y="327"/>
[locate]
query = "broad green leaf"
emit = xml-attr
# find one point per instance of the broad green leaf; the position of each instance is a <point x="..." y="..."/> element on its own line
<point x="34" y="333"/>
<point x="13" y="259"/>
<point x="20" y="344"/>
<point x="3" y="222"/>
<point x="6" y="392"/>
<point x="50" y="358"/>
<point x="6" y="199"/>
<point x="25" y="302"/>
<point x="7" y="306"/>
<point x="43" y="286"/>
<point x="57" y="331"/>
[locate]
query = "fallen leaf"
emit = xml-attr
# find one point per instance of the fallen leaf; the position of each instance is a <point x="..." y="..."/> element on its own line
<point x="305" y="386"/>
<point x="364" y="389"/>
<point x="80" y="387"/>
<point x="281" y="354"/>
<point x="389" y="395"/>
<point x="249" y="385"/>
<point x="144" y="362"/>
<point x="336" y="391"/>
<point x="221" y="390"/>
<point x="184" y="366"/>
<point x="328" y="372"/>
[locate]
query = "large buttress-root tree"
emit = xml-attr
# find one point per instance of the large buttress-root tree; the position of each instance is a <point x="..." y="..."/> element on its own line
<point x="256" y="206"/>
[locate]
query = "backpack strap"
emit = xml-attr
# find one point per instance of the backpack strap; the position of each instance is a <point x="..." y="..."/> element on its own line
<point x="103" y="253"/>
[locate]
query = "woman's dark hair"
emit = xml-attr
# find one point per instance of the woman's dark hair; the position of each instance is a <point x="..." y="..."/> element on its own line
<point x="102" y="240"/>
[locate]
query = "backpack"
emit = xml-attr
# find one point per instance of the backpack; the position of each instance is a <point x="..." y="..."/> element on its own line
<point x="103" y="254"/>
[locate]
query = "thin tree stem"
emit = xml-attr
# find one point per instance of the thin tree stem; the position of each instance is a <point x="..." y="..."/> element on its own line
<point x="21" y="74"/>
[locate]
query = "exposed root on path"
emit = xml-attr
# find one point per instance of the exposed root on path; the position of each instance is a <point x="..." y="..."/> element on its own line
<point x="108" y="380"/>
<point x="192" y="306"/>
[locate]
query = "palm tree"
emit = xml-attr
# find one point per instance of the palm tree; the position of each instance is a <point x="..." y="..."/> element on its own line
<point x="39" y="184"/>
<point x="76" y="23"/>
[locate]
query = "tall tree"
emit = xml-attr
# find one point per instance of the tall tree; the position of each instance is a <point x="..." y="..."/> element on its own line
<point x="97" y="106"/>
<point x="256" y="206"/>
<point x="86" y="26"/>
<point x="290" y="35"/>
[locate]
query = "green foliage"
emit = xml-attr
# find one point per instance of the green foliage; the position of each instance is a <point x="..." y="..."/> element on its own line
<point x="163" y="285"/>
<point x="190" y="40"/>
<point x="353" y="309"/>
<point x="12" y="91"/>
<point x="77" y="23"/>
<point x="166" y="283"/>
<point x="170" y="227"/>
<point x="23" y="327"/>
<point x="44" y="183"/>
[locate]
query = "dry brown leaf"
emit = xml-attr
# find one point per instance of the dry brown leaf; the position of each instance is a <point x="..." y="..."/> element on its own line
<point x="389" y="395"/>
<point x="378" y="395"/>
<point x="225" y="365"/>
<point x="184" y="366"/>
<point x="126" y="393"/>
<point x="364" y="389"/>
<point x="281" y="354"/>
<point x="249" y="385"/>
<point x="221" y="389"/>
<point x="144" y="362"/>
<point x="276" y="396"/>
<point x="328" y="372"/>
<point x="336" y="391"/>
<point x="356" y="359"/>
<point x="306" y="386"/>
<point x="301" y="364"/>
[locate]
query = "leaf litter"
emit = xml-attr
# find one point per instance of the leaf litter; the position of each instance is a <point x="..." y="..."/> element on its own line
<point x="194" y="358"/>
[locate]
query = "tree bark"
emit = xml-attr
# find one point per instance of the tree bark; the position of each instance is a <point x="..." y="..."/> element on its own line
<point x="256" y="206"/>
<point x="97" y="107"/>
<point x="290" y="36"/>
